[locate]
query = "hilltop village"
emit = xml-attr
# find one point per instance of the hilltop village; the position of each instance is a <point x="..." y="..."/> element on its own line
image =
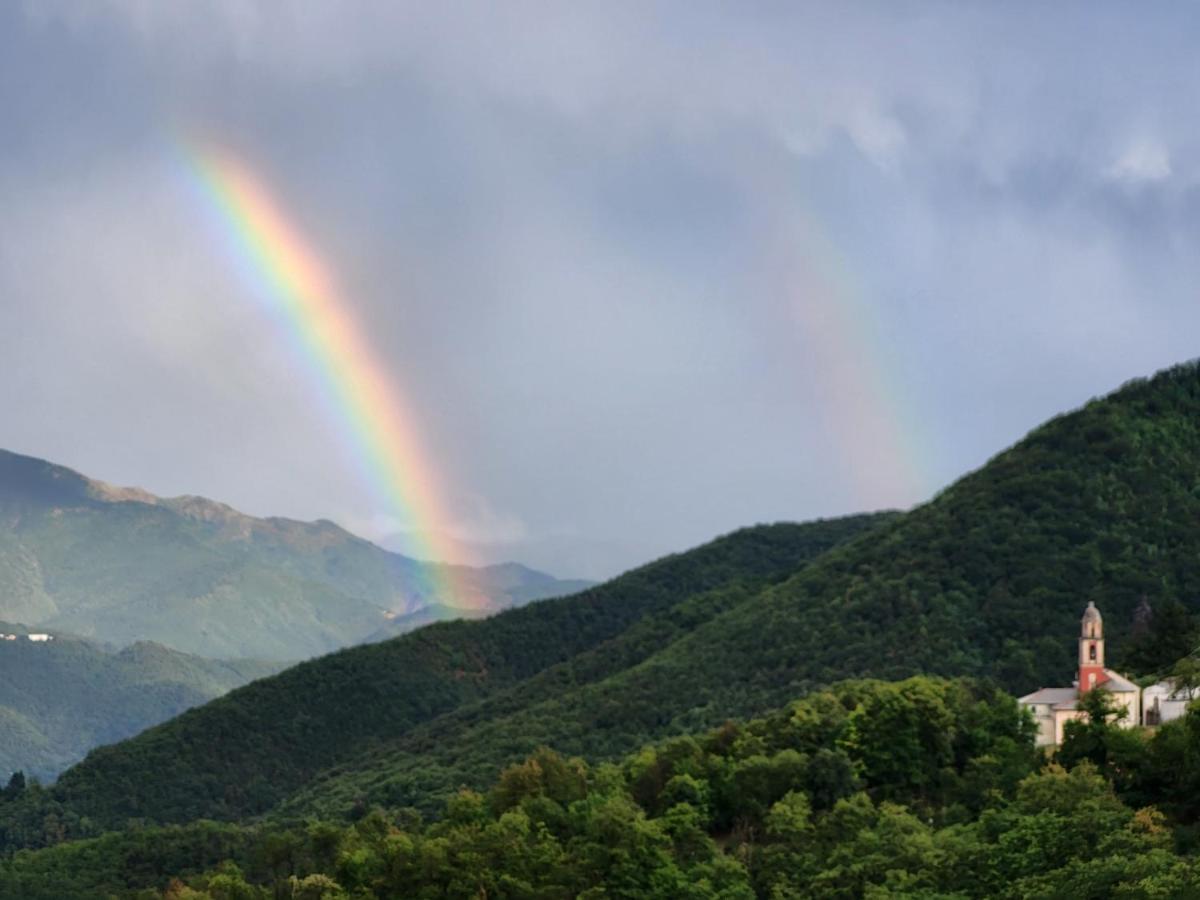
<point x="1053" y="707"/>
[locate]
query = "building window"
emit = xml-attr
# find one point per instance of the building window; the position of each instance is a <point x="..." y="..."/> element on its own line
<point x="1092" y="652"/>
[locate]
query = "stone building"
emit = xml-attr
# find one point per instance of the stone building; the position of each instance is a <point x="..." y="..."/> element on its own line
<point x="1054" y="707"/>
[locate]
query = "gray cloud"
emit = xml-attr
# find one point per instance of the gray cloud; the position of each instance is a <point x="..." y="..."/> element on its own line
<point x="645" y="272"/>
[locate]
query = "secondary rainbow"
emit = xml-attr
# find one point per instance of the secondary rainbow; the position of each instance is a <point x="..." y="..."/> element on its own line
<point x="886" y="458"/>
<point x="291" y="278"/>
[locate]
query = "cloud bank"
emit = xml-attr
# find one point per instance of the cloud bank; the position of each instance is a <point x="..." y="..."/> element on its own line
<point x="646" y="272"/>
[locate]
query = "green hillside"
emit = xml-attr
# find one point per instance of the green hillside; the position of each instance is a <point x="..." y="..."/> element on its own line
<point x="248" y="751"/>
<point x="61" y="698"/>
<point x="987" y="579"/>
<point x="120" y="565"/>
<point x="926" y="789"/>
<point x="775" y="794"/>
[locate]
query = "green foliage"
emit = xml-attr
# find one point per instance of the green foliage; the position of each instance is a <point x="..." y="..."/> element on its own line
<point x="61" y="698"/>
<point x="722" y="814"/>
<point x="128" y="862"/>
<point x="1100" y="739"/>
<point x="15" y="787"/>
<point x="244" y="753"/>
<point x="1172" y="633"/>
<point x="986" y="580"/>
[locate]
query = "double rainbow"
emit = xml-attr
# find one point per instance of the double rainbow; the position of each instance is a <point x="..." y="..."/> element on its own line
<point x="344" y="366"/>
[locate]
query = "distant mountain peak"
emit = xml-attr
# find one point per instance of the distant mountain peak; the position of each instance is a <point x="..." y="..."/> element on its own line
<point x="111" y="493"/>
<point x="121" y="564"/>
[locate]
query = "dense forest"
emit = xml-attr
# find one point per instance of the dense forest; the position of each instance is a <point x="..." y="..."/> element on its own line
<point x="258" y="744"/>
<point x="61" y="698"/>
<point x="925" y="788"/>
<point x="986" y="581"/>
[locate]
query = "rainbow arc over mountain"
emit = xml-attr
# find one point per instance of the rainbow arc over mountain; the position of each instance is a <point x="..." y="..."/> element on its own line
<point x="294" y="281"/>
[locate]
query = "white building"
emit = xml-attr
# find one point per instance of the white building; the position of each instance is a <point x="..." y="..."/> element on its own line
<point x="1163" y="702"/>
<point x="1053" y="707"/>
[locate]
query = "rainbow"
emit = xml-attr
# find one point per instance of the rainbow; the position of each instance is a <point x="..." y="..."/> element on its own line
<point x="289" y="275"/>
<point x="866" y="412"/>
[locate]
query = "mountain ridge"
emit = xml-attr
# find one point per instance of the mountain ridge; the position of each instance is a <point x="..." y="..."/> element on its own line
<point x="119" y="564"/>
<point x="986" y="580"/>
<point x="385" y="688"/>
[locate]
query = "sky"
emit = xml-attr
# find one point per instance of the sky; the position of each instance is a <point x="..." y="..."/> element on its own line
<point x="643" y="273"/>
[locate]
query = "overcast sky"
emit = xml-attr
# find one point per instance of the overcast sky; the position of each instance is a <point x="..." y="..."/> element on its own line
<point x="644" y="272"/>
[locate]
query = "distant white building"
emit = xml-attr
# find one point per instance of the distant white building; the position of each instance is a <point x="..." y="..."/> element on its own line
<point x="1053" y="707"/>
<point x="40" y="637"/>
<point x="1164" y="701"/>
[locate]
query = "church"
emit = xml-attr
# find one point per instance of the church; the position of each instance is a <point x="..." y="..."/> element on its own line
<point x="1054" y="707"/>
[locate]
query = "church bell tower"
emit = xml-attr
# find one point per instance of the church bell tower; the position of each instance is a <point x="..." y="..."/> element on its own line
<point x="1091" y="649"/>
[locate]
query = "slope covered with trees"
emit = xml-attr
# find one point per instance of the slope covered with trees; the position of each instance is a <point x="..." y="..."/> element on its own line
<point x="987" y="579"/>
<point x="925" y="788"/>
<point x="61" y="698"/>
<point x="250" y="750"/>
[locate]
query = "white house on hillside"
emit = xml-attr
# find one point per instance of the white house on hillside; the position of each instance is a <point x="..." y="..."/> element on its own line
<point x="1164" y="701"/>
<point x="1054" y="707"/>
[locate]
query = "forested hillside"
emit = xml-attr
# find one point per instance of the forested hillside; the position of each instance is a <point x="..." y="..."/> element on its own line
<point x="249" y="751"/>
<point x="121" y="565"/>
<point x="553" y="827"/>
<point x="61" y="698"/>
<point x="987" y="579"/>
<point x="925" y="788"/>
